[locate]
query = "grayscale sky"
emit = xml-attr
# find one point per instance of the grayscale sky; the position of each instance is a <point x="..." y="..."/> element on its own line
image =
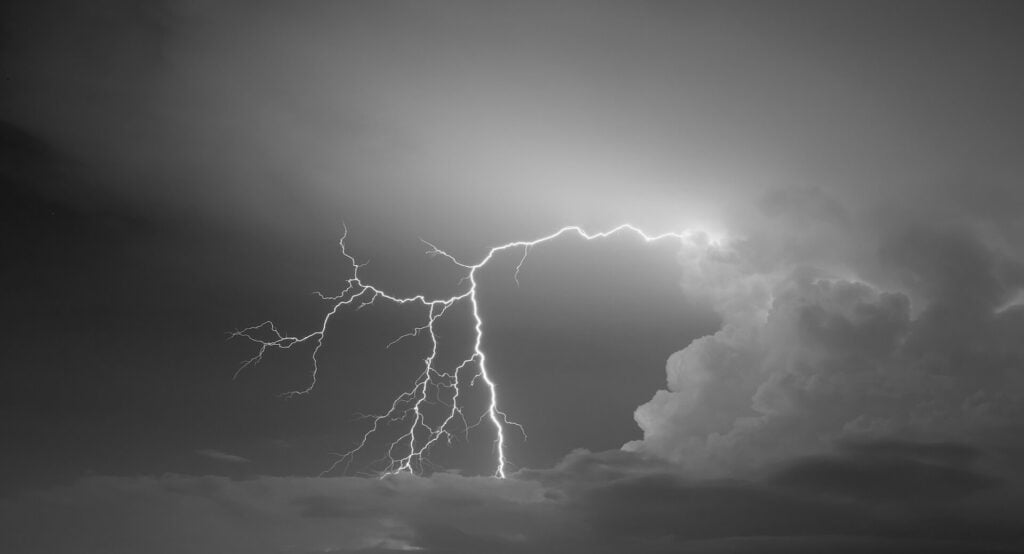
<point x="841" y="369"/>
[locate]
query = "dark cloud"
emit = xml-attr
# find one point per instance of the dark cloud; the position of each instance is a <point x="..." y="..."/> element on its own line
<point x="331" y="507"/>
<point x="906" y="497"/>
<point x="891" y="472"/>
<point x="660" y="507"/>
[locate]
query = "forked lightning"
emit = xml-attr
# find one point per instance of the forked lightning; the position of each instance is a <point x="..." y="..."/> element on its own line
<point x="408" y="452"/>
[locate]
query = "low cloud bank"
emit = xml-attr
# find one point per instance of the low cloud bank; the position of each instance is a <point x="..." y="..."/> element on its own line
<point x="893" y="496"/>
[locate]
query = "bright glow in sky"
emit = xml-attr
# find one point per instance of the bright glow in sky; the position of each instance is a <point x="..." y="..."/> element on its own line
<point x="840" y="363"/>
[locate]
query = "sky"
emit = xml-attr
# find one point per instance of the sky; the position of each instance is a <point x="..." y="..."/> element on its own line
<point x="832" y="360"/>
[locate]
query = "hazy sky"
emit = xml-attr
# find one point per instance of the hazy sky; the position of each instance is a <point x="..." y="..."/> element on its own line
<point x="843" y="371"/>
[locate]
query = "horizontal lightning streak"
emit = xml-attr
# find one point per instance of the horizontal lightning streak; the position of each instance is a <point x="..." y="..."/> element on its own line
<point x="408" y="452"/>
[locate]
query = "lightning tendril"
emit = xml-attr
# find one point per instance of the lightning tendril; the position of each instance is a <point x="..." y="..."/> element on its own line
<point x="408" y="453"/>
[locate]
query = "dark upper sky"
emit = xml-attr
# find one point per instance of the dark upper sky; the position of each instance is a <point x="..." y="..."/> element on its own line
<point x="850" y="352"/>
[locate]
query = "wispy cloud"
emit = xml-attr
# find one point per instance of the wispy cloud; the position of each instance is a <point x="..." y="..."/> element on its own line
<point x="222" y="456"/>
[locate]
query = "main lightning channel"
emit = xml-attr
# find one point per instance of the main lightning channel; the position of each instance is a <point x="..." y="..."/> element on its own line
<point x="408" y="453"/>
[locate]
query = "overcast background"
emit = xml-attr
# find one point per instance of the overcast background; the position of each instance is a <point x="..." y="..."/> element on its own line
<point x="843" y="372"/>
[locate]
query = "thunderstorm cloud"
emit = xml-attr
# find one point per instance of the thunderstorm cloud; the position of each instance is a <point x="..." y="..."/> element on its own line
<point x="835" y="364"/>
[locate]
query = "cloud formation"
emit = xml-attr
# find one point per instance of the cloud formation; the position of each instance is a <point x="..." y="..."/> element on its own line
<point x="895" y="496"/>
<point x="811" y="354"/>
<point x="864" y="393"/>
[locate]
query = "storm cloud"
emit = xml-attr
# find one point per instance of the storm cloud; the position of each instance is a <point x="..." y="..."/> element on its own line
<point x="835" y="364"/>
<point x="809" y="354"/>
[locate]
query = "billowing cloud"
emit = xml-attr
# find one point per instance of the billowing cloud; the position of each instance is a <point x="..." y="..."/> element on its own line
<point x="908" y="341"/>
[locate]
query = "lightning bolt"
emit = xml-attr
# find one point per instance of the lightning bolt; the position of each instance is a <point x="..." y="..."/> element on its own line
<point x="408" y="453"/>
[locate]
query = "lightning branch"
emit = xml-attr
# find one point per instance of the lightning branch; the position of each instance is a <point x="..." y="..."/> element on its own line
<point x="409" y="452"/>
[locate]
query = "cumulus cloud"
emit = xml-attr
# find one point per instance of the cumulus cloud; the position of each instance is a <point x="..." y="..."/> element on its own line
<point x="909" y="341"/>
